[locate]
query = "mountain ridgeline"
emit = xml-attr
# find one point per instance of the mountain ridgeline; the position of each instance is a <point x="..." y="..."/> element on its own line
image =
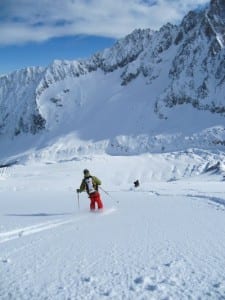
<point x="147" y="75"/>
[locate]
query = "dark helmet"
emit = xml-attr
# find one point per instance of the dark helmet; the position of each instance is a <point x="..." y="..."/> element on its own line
<point x="86" y="172"/>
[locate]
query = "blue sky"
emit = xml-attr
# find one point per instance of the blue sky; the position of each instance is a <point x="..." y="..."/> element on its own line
<point x="15" y="57"/>
<point x="35" y="32"/>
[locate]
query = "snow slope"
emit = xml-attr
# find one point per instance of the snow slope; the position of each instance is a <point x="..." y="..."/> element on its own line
<point x="115" y="119"/>
<point x="164" y="240"/>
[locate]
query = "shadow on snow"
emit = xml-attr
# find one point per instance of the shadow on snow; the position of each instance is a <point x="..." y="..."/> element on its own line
<point x="38" y="215"/>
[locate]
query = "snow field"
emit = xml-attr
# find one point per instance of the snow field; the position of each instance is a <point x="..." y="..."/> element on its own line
<point x="164" y="240"/>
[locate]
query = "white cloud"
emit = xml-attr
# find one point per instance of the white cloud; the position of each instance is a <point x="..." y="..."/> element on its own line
<point x="32" y="20"/>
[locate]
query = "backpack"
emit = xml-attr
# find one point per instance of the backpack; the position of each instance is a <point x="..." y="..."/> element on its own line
<point x="89" y="185"/>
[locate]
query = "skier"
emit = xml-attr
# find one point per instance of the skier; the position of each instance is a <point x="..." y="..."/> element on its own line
<point x="136" y="183"/>
<point x="90" y="184"/>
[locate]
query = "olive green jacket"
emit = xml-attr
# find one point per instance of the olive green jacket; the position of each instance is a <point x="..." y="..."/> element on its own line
<point x="95" y="180"/>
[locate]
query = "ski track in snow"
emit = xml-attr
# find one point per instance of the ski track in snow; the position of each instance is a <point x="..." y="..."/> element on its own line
<point x="17" y="233"/>
<point x="24" y="231"/>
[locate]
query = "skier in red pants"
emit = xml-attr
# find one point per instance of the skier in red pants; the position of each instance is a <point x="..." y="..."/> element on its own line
<point x="90" y="184"/>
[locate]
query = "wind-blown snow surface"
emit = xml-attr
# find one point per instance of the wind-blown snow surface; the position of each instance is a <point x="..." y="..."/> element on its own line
<point x="164" y="240"/>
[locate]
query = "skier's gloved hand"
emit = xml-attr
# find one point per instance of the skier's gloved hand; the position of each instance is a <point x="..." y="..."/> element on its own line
<point x="78" y="191"/>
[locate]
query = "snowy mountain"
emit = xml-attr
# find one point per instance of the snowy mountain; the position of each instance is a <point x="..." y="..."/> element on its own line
<point x="153" y="91"/>
<point x="151" y="108"/>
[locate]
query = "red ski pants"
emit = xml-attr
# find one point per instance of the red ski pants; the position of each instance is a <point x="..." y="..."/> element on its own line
<point x="95" y="198"/>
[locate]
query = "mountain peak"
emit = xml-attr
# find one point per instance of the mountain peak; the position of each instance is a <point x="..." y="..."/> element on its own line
<point x="216" y="12"/>
<point x="218" y="8"/>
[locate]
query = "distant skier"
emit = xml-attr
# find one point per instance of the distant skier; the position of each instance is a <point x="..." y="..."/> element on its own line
<point x="136" y="183"/>
<point x="90" y="185"/>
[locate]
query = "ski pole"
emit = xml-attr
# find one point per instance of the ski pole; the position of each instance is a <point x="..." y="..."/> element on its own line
<point x="109" y="195"/>
<point x="104" y="191"/>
